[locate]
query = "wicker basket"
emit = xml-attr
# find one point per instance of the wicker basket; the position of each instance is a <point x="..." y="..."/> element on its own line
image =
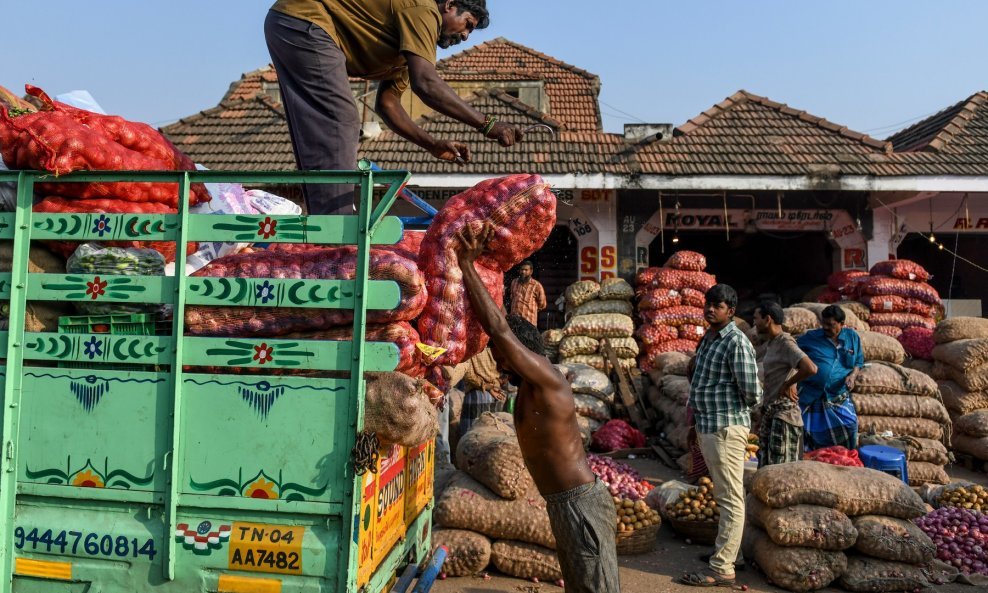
<point x="639" y="541"/>
<point x="703" y="533"/>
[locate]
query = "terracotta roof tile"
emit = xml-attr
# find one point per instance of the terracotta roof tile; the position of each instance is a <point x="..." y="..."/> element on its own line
<point x="751" y="135"/>
<point x="564" y="152"/>
<point x="572" y="91"/>
<point x="249" y="135"/>
<point x="964" y="122"/>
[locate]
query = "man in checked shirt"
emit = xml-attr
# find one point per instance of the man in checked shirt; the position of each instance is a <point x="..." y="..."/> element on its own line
<point x="723" y="388"/>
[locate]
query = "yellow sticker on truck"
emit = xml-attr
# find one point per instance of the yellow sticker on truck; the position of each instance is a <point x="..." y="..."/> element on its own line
<point x="261" y="547"/>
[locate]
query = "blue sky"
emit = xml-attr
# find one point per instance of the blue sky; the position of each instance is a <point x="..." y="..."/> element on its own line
<point x="871" y="65"/>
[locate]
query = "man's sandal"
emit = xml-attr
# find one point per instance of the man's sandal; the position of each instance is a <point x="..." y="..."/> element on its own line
<point x="705" y="558"/>
<point x="706" y="579"/>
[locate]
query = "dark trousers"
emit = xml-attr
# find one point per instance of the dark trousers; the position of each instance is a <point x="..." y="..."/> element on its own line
<point x="322" y="116"/>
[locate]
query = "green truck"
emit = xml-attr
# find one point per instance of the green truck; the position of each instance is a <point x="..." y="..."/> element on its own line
<point x="121" y="470"/>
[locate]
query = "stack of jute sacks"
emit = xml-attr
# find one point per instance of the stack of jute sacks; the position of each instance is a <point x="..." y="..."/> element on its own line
<point x="906" y="403"/>
<point x="593" y="394"/>
<point x="491" y="512"/>
<point x="668" y="391"/>
<point x="811" y="524"/>
<point x="596" y="311"/>
<point x="961" y="366"/>
<point x="670" y="305"/>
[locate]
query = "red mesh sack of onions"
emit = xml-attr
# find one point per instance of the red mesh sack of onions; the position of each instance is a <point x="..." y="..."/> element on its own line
<point x="339" y="263"/>
<point x="885" y="285"/>
<point x="687" y="260"/>
<point x="897" y="304"/>
<point x="675" y="316"/>
<point x="692" y="332"/>
<point x="677" y="345"/>
<point x="829" y="296"/>
<point x="652" y="334"/>
<point x="839" y="280"/>
<point x="680" y="279"/>
<point x="888" y="330"/>
<point x="693" y="298"/>
<point x="59" y="205"/>
<point x="918" y="342"/>
<point x="522" y="210"/>
<point x="55" y="141"/>
<point x="616" y="434"/>
<point x="901" y="268"/>
<point x="903" y="320"/>
<point x="658" y="298"/>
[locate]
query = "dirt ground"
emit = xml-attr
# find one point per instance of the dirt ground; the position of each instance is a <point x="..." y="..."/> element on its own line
<point x="657" y="572"/>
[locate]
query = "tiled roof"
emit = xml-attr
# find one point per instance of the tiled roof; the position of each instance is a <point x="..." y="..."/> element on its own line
<point x="750" y="135"/>
<point x="564" y="152"/>
<point x="252" y="83"/>
<point x="951" y="130"/>
<point x="488" y="75"/>
<point x="572" y="91"/>
<point x="250" y="135"/>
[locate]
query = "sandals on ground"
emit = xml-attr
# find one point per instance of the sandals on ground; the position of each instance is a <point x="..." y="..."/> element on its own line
<point x="706" y="578"/>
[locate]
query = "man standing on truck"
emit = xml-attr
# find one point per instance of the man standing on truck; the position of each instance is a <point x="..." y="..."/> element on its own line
<point x="581" y="510"/>
<point x="316" y="45"/>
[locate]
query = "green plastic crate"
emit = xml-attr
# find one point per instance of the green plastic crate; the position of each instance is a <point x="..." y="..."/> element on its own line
<point x="119" y="324"/>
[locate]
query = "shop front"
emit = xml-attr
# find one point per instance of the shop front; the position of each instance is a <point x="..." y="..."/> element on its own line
<point x="915" y="229"/>
<point x="786" y="251"/>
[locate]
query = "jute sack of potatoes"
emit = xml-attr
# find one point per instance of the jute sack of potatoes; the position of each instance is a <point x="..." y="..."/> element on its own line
<point x="795" y="569"/>
<point x="600" y="325"/>
<point x="616" y="289"/>
<point x="676" y="388"/>
<point x="575" y="345"/>
<point x="914" y="427"/>
<point x="850" y="490"/>
<point x="616" y="307"/>
<point x="526" y="561"/>
<point x="973" y="379"/>
<point x="581" y="292"/>
<point x="803" y="525"/>
<point x="888" y="538"/>
<point x="900" y="406"/>
<point x="963" y="354"/>
<point x="624" y="347"/>
<point x="974" y="446"/>
<point x="879" y="347"/>
<point x="880" y="576"/>
<point x="974" y="424"/>
<point x="961" y="401"/>
<point x="671" y="363"/>
<point x="921" y="473"/>
<point x="916" y="449"/>
<point x="490" y="453"/>
<point x="467" y="504"/>
<point x="468" y="552"/>
<point x="960" y="328"/>
<point x="883" y="377"/>
<point x="799" y="321"/>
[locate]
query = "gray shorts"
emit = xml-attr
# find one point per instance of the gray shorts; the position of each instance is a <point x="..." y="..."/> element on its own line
<point x="584" y="523"/>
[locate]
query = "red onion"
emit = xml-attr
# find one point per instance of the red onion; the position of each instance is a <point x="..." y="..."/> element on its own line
<point x="961" y="536"/>
<point x="621" y="479"/>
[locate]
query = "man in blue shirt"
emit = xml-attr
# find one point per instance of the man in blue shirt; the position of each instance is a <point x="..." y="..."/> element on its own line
<point x="829" y="416"/>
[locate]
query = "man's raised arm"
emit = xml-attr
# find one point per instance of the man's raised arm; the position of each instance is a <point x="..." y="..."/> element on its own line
<point x="530" y="366"/>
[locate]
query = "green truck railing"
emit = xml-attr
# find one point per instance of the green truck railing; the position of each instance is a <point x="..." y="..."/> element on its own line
<point x="109" y="459"/>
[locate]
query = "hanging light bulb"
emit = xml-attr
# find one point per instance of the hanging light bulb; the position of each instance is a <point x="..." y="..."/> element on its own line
<point x="933" y="238"/>
<point x="675" y="237"/>
<point x="940" y="246"/>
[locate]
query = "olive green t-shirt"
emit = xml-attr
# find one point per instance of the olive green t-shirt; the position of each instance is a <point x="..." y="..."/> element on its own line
<point x="373" y="33"/>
